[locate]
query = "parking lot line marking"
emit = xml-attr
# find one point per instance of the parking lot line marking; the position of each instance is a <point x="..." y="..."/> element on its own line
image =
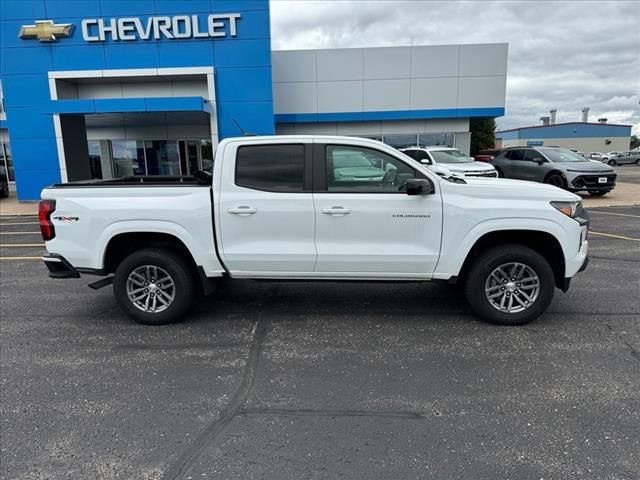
<point x="616" y="214"/>
<point x="19" y="223"/>
<point x="19" y="233"/>
<point x="619" y="237"/>
<point x="17" y="245"/>
<point x="21" y="258"/>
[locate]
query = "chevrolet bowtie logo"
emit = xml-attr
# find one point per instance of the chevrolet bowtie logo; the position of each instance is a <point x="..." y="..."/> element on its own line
<point x="46" y="31"/>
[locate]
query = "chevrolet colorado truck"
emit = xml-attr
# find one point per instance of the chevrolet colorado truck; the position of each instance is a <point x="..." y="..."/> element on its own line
<point x="287" y="208"/>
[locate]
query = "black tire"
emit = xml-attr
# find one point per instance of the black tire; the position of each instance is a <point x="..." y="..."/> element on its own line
<point x="612" y="163"/>
<point x="638" y="162"/>
<point x="179" y="271"/>
<point x="598" y="193"/>
<point x="487" y="262"/>
<point x="556" y="180"/>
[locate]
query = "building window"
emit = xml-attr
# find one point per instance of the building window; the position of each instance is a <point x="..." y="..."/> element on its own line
<point x="6" y="161"/>
<point x="95" y="159"/>
<point x="415" y="139"/>
<point x="436" y="139"/>
<point x="401" y="141"/>
<point x="128" y="158"/>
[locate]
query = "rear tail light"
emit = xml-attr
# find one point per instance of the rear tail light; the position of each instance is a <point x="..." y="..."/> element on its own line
<point x="45" y="209"/>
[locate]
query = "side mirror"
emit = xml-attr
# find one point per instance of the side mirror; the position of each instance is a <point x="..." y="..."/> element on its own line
<point x="419" y="186"/>
<point x="539" y="160"/>
<point x="426" y="161"/>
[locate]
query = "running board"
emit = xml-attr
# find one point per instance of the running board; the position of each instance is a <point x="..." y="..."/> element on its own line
<point x="103" y="282"/>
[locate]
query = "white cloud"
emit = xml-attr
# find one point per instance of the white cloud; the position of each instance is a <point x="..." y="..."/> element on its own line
<point x="565" y="55"/>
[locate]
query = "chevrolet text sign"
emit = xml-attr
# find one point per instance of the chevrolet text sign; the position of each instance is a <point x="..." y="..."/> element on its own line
<point x="156" y="28"/>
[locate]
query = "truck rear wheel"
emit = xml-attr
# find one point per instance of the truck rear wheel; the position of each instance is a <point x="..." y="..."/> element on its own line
<point x="154" y="286"/>
<point x="510" y="285"/>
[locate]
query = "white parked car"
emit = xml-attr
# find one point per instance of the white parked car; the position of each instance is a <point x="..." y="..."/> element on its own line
<point x="602" y="157"/>
<point x="297" y="208"/>
<point x="452" y="159"/>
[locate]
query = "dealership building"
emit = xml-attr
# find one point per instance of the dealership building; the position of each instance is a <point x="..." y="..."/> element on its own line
<point x="106" y="88"/>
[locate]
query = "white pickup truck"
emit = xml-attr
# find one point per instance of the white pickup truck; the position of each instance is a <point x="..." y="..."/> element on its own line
<point x="300" y="208"/>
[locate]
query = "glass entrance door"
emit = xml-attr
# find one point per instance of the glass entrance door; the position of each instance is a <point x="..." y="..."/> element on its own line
<point x="190" y="156"/>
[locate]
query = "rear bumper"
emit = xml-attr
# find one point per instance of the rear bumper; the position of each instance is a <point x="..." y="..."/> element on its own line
<point x="59" y="267"/>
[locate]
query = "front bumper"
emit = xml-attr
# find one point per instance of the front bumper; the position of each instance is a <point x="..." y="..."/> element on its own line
<point x="567" y="281"/>
<point x="591" y="182"/>
<point x="59" y="267"/>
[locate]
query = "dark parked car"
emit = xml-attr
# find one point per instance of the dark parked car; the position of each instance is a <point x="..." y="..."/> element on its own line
<point x="4" y="183"/>
<point x="556" y="166"/>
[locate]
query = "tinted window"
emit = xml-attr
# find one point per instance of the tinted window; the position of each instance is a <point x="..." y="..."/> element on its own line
<point x="515" y="154"/>
<point x="532" y="155"/>
<point x="421" y="155"/>
<point x="562" y="155"/>
<point x="274" y="168"/>
<point x="375" y="172"/>
<point x="411" y="153"/>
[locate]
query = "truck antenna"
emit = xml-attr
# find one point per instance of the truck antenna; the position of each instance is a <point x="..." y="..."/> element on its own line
<point x="244" y="134"/>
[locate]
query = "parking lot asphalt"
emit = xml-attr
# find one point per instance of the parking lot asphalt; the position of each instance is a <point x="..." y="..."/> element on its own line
<point x="321" y="380"/>
<point x="628" y="173"/>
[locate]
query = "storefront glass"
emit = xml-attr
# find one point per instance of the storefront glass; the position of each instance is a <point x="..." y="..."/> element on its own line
<point x="128" y="158"/>
<point x="6" y="160"/>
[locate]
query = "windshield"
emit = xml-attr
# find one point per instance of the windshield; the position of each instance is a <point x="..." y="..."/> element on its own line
<point x="561" y="155"/>
<point x="450" y="156"/>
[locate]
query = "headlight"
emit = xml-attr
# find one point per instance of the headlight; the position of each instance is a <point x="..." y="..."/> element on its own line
<point x="570" y="209"/>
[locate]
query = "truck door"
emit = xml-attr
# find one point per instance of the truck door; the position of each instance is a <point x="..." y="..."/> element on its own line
<point x="367" y="225"/>
<point x="265" y="209"/>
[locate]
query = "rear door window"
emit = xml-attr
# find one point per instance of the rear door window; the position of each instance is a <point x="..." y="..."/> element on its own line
<point x="517" y="155"/>
<point x="271" y="168"/>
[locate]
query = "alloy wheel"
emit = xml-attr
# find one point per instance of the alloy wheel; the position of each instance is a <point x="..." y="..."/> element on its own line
<point x="151" y="289"/>
<point x="512" y="287"/>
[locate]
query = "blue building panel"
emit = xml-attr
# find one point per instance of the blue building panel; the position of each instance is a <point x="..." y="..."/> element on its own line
<point x="243" y="77"/>
<point x="30" y="90"/>
<point x="243" y="53"/>
<point x="247" y="115"/>
<point x="185" y="54"/>
<point x="71" y="8"/>
<point x="22" y="9"/>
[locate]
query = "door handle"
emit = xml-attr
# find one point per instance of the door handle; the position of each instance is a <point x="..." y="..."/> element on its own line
<point x="336" y="211"/>
<point x="243" y="210"/>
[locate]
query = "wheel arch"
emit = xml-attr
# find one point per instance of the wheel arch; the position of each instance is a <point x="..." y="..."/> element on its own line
<point x="545" y="243"/>
<point x="554" y="172"/>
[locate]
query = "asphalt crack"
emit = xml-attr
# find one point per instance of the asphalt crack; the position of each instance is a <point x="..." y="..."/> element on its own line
<point x="632" y="350"/>
<point x="307" y="412"/>
<point x="190" y="456"/>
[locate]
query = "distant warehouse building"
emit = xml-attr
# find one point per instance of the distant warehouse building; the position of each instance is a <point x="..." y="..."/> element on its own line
<point x="585" y="137"/>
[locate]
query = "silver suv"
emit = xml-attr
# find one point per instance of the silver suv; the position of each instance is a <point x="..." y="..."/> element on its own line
<point x="556" y="166"/>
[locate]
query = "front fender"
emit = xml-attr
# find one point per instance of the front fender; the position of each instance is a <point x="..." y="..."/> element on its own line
<point x="454" y="254"/>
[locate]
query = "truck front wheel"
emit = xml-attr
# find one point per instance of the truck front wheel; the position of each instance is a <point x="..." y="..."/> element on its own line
<point x="154" y="286"/>
<point x="510" y="285"/>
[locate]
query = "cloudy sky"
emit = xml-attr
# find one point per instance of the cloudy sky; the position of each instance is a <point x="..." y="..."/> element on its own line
<point x="567" y="55"/>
